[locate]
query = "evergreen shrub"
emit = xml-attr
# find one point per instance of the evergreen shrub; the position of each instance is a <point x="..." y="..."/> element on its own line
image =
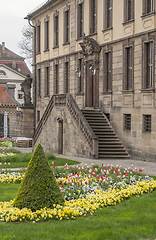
<point x="38" y="188"/>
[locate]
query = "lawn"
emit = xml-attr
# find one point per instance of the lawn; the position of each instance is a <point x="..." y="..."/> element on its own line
<point x="129" y="220"/>
<point x="105" y="202"/>
<point x="18" y="159"/>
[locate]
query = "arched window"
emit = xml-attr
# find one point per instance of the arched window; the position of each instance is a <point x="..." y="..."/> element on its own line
<point x="2" y="73"/>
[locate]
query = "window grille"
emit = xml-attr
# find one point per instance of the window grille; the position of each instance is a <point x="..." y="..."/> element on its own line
<point x="127" y="121"/>
<point x="38" y="116"/>
<point x="147" y="123"/>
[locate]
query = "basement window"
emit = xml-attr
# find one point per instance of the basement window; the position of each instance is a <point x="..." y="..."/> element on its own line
<point x="38" y="116"/>
<point x="107" y="116"/>
<point x="147" y="123"/>
<point x="127" y="121"/>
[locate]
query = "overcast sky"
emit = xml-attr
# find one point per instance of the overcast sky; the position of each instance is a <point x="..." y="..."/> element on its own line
<point x="12" y="21"/>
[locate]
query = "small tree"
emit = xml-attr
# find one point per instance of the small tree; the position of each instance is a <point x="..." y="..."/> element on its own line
<point x="38" y="188"/>
<point x="26" y="44"/>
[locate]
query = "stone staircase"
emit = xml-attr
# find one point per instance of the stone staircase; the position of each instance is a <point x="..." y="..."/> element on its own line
<point x="109" y="145"/>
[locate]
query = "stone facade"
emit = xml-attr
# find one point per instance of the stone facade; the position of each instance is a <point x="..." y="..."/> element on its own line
<point x="19" y="122"/>
<point x="74" y="143"/>
<point x="129" y="96"/>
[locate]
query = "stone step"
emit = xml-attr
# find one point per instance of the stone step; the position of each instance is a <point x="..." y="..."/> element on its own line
<point x="101" y="127"/>
<point x="114" y="145"/>
<point x="112" y="151"/>
<point x="95" y="118"/>
<point x="108" y="138"/>
<point x="92" y="124"/>
<point x="102" y="121"/>
<point x="104" y="134"/>
<point x="109" y="145"/>
<point x="102" y="130"/>
<point x="114" y="156"/>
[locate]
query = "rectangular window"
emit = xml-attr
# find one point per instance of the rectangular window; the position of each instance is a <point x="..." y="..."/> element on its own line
<point x="80" y="20"/>
<point x="108" y="6"/>
<point x="38" y="40"/>
<point x="39" y="82"/>
<point x="66" y="26"/>
<point x="127" y="121"/>
<point x="66" y="77"/>
<point x="128" y="10"/>
<point x="46" y="81"/>
<point x="56" y="30"/>
<point x="148" y="6"/>
<point x="129" y="69"/>
<point x="46" y="35"/>
<point x="148" y="72"/>
<point x="38" y="116"/>
<point x="147" y="123"/>
<point x="149" y="66"/>
<point x="107" y="63"/>
<point x="93" y="16"/>
<point x="80" y="77"/>
<point x="56" y="83"/>
<point x="20" y="94"/>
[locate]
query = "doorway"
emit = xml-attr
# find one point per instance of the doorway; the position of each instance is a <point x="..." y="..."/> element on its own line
<point x="60" y="136"/>
<point x="92" y="87"/>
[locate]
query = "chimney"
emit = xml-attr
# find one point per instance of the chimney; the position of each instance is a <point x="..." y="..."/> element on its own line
<point x="14" y="64"/>
<point x="3" y="47"/>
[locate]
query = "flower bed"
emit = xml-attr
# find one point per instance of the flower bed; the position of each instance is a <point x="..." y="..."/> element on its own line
<point x="85" y="190"/>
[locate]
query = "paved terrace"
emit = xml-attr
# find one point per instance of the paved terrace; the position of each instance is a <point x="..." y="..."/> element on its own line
<point x="149" y="167"/>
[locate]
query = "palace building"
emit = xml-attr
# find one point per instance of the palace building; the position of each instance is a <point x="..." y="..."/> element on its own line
<point x="94" y="69"/>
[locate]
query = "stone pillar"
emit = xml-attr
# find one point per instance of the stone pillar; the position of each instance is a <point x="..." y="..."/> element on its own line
<point x="5" y="125"/>
<point x="28" y="122"/>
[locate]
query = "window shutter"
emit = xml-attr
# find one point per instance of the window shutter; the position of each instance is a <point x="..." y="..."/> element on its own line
<point x="125" y="10"/>
<point x="78" y="21"/>
<point x="91" y="17"/>
<point x="144" y="5"/>
<point x="68" y="23"/>
<point x="54" y="30"/>
<point x="64" y="26"/>
<point x="111" y="12"/>
<point x="81" y="75"/>
<point x="111" y="70"/>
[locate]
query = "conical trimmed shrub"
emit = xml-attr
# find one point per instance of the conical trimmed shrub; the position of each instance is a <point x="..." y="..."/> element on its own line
<point x="38" y="188"/>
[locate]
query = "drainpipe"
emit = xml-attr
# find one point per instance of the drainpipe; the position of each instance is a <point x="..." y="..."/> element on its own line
<point x="34" y="63"/>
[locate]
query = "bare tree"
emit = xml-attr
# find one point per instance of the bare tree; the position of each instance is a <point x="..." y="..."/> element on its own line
<point x="26" y="44"/>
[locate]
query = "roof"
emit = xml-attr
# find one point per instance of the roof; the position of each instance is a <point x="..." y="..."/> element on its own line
<point x="39" y="8"/>
<point x="6" y="99"/>
<point x="5" y="53"/>
<point x="13" y="60"/>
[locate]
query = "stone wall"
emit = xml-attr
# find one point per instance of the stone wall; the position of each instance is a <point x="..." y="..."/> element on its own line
<point x="20" y="121"/>
<point x="74" y="143"/>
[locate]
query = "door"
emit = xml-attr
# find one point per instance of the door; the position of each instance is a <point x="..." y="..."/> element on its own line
<point x="92" y="87"/>
<point x="60" y="137"/>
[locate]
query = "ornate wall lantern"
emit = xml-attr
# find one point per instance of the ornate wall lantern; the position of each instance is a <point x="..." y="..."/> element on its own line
<point x="92" y="69"/>
<point x="78" y="72"/>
